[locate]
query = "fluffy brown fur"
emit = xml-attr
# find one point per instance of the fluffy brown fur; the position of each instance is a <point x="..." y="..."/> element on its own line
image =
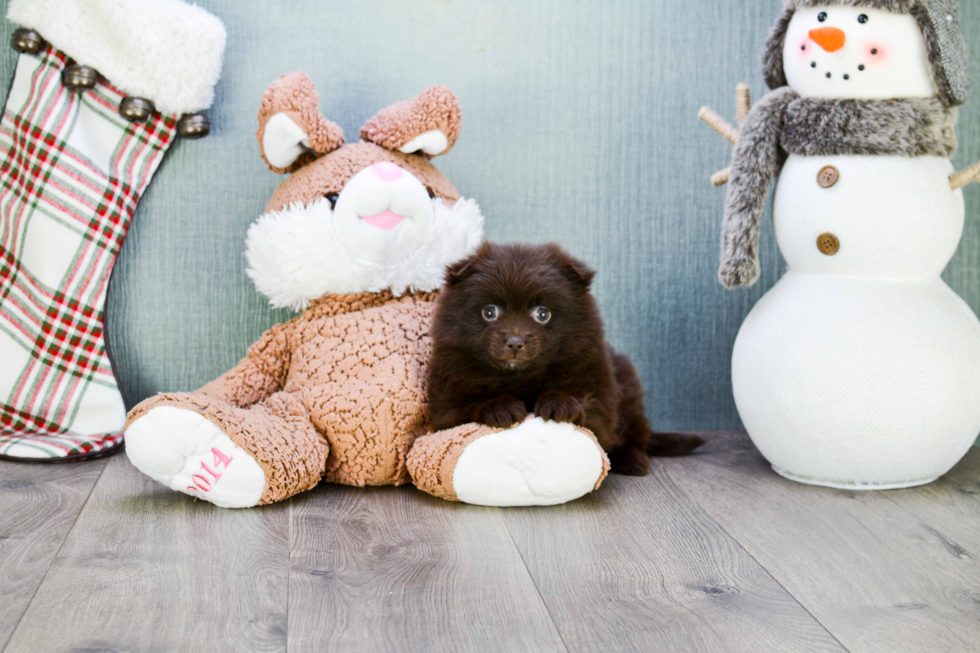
<point x="517" y="331"/>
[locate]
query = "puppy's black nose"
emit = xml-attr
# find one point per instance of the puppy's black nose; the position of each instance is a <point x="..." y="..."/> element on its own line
<point x="515" y="344"/>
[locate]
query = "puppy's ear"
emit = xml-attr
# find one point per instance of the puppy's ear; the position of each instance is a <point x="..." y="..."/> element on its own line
<point x="460" y="271"/>
<point x="574" y="269"/>
<point x="291" y="130"/>
<point x="429" y="124"/>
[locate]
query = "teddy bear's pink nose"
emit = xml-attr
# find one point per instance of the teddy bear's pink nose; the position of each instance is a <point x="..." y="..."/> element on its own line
<point x="386" y="171"/>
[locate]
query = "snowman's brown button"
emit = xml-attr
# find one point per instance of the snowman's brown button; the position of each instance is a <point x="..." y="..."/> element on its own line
<point x="828" y="244"/>
<point x="828" y="176"/>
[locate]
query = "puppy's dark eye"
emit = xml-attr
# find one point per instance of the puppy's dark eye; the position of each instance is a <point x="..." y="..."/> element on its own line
<point x="491" y="312"/>
<point x="541" y="315"/>
<point x="822" y="16"/>
<point x="863" y="18"/>
<point x="332" y="198"/>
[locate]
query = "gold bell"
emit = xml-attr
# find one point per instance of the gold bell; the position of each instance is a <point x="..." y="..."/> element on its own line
<point x="26" y="41"/>
<point x="79" y="78"/>
<point x="136" y="109"/>
<point x="193" y="125"/>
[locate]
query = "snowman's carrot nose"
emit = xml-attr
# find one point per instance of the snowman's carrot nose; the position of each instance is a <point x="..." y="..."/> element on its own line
<point x="830" y="39"/>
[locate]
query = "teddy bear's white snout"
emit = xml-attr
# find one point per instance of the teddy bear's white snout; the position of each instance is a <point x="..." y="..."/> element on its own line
<point x="383" y="213"/>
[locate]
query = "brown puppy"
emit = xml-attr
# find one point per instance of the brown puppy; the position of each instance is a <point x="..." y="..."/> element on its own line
<point x="516" y="330"/>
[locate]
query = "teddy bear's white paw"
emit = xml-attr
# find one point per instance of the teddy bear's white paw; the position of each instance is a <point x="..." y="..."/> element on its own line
<point x="538" y="463"/>
<point x="187" y="452"/>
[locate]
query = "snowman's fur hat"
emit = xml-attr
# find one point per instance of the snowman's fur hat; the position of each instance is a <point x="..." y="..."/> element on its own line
<point x="938" y="20"/>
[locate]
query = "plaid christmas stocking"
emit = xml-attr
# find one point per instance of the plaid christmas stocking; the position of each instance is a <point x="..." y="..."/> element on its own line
<point x="88" y="118"/>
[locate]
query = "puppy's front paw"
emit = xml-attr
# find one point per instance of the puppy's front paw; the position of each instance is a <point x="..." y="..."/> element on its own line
<point x="502" y="412"/>
<point x="558" y="406"/>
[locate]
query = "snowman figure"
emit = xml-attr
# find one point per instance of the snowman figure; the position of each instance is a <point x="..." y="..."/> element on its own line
<point x="860" y="369"/>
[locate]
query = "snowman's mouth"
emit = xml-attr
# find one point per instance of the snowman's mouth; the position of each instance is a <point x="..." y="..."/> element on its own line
<point x="387" y="220"/>
<point x="831" y="74"/>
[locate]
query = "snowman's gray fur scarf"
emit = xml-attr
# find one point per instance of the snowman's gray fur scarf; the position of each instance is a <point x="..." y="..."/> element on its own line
<point x="914" y="127"/>
<point x="900" y="6"/>
<point x="938" y="20"/>
<point x="783" y="123"/>
<point x="754" y="165"/>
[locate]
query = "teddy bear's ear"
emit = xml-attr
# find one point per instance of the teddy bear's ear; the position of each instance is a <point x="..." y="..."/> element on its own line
<point x="291" y="130"/>
<point x="429" y="123"/>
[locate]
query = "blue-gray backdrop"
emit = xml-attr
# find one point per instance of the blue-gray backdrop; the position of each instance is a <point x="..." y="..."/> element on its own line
<point x="579" y="127"/>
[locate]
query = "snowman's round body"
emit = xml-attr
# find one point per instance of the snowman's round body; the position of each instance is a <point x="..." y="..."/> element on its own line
<point x="860" y="368"/>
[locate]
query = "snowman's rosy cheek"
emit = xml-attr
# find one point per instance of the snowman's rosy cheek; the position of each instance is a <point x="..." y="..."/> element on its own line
<point x="875" y="53"/>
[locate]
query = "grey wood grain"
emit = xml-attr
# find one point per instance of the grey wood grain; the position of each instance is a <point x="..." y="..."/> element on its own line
<point x="38" y="506"/>
<point x="638" y="566"/>
<point x="149" y="569"/>
<point x="950" y="510"/>
<point x="392" y="569"/>
<point x="709" y="553"/>
<point x="880" y="575"/>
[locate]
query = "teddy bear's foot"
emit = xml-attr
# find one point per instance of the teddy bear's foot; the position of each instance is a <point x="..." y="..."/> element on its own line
<point x="536" y="463"/>
<point x="189" y="453"/>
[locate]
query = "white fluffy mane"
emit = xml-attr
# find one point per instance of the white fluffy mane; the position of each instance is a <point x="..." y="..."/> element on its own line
<point x="295" y="257"/>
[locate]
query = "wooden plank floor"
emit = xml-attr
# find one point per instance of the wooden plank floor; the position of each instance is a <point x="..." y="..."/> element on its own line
<point x="708" y="553"/>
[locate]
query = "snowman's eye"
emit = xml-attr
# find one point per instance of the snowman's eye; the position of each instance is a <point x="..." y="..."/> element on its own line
<point x="822" y="16"/>
<point x="863" y="18"/>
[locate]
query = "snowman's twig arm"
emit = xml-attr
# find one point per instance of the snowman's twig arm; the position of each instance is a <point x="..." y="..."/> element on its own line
<point x="964" y="177"/>
<point x="719" y="124"/>
<point x="743" y="103"/>
<point x="720" y="178"/>
<point x="753" y="168"/>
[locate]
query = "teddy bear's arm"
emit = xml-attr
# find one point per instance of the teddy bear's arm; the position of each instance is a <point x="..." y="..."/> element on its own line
<point x="259" y="375"/>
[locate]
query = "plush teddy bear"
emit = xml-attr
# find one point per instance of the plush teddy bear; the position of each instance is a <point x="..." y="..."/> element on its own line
<point x="359" y="237"/>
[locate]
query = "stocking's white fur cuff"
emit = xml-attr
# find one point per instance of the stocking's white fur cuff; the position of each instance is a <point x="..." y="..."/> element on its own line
<point x="163" y="50"/>
<point x="294" y="255"/>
